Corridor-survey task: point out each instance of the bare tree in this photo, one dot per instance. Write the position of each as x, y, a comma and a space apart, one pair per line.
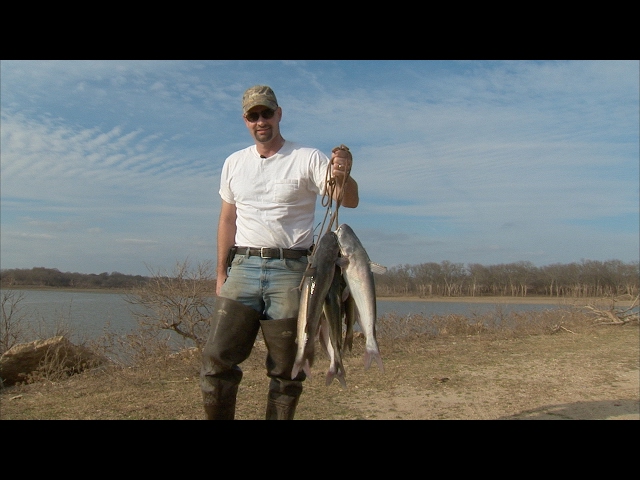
179, 301
11, 329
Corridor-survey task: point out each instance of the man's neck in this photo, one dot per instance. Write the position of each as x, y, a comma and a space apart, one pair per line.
269, 149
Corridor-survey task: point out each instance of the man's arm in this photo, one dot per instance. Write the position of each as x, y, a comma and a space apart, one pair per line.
350, 198
226, 240
341, 162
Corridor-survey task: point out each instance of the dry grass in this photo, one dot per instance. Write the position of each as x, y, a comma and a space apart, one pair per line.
549, 364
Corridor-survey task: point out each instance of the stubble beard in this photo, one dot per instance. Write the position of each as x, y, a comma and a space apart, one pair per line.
264, 137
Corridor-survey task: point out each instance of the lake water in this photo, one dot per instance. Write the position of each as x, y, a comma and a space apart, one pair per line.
88, 314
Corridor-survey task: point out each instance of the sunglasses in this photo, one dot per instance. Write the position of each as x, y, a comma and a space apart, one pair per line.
254, 116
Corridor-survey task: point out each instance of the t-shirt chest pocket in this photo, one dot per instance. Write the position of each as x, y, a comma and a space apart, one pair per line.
286, 190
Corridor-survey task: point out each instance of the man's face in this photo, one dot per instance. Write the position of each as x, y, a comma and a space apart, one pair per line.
263, 129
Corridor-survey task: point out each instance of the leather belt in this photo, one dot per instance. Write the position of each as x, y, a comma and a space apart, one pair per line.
265, 252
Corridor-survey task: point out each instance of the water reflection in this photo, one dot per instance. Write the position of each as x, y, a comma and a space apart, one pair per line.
90, 313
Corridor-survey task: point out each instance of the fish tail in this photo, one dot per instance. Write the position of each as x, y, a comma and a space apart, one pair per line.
295, 370
300, 364
306, 369
370, 356
339, 374
330, 376
379, 361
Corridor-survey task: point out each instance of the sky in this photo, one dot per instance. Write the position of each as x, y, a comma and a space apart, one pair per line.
114, 166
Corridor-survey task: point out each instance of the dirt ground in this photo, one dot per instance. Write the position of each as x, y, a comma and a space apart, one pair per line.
581, 372
590, 375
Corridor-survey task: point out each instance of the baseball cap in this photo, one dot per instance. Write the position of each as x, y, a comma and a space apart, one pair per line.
259, 95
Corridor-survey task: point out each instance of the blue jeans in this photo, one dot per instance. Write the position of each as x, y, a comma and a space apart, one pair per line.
268, 285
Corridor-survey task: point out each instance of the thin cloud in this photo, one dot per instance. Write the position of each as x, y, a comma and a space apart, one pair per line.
469, 161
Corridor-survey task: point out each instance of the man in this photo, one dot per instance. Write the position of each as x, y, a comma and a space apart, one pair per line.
265, 233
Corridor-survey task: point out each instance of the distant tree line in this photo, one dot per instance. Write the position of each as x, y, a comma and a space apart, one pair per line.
52, 277
589, 278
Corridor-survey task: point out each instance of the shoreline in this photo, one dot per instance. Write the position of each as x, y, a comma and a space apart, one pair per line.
67, 289
530, 300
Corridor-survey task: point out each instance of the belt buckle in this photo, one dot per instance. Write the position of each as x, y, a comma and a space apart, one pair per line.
262, 254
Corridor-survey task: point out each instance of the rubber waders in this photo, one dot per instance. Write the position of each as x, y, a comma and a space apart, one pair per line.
233, 331
284, 392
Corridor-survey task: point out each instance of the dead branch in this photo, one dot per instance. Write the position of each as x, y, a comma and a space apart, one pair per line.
615, 315
557, 328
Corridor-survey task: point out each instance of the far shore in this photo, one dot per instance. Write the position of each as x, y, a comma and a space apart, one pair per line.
533, 300
623, 301
67, 289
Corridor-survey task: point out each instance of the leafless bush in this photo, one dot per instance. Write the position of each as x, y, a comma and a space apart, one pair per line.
16, 328
11, 326
497, 322
59, 326
57, 363
179, 301
61, 360
138, 347
54, 367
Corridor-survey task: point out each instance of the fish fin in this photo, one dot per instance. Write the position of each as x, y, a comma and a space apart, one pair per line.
339, 375
345, 293
309, 272
369, 357
377, 268
300, 359
297, 366
330, 377
306, 369
336, 370
342, 262
379, 361
323, 339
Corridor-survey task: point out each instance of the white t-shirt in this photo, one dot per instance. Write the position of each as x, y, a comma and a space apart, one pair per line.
275, 197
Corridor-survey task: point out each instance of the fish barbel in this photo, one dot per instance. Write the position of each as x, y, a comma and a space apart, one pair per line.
358, 273
315, 285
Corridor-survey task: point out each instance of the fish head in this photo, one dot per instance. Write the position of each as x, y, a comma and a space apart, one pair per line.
346, 239
344, 229
327, 249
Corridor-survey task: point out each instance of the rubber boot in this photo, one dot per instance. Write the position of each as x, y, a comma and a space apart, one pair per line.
233, 331
284, 391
